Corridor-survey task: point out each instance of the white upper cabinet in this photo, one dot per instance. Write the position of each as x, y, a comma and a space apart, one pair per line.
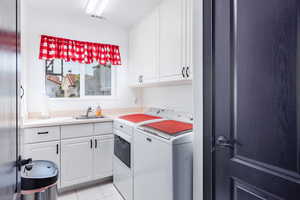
189, 39
171, 39
143, 50
161, 44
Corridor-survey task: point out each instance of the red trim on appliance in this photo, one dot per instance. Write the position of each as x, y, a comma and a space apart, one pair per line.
136, 118
170, 126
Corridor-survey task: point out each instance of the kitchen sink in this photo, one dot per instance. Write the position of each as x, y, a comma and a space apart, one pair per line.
88, 117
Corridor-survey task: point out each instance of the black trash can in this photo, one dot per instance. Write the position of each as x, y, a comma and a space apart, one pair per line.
39, 180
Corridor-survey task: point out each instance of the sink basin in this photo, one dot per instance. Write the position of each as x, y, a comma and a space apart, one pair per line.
88, 117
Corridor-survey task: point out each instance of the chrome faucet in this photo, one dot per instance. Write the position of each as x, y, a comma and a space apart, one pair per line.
88, 111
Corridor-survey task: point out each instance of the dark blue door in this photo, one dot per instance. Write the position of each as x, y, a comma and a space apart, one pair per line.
255, 87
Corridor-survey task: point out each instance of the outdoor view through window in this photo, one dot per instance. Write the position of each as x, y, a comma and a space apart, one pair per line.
63, 79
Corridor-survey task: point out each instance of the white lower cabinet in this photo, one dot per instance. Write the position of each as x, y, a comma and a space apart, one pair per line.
86, 159
103, 153
83, 153
44, 151
76, 161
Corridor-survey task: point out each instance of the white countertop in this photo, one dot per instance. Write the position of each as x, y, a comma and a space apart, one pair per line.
35, 123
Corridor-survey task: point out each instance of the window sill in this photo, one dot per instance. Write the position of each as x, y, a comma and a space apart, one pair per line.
87, 98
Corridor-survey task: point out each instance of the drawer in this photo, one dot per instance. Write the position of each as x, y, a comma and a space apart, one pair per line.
123, 127
43, 134
78, 130
106, 137
103, 128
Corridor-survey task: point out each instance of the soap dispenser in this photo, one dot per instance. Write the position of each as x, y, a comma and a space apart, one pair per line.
98, 111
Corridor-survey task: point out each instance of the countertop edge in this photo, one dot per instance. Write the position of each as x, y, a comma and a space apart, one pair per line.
62, 122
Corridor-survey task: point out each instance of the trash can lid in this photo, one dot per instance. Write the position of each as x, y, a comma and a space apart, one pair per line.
38, 174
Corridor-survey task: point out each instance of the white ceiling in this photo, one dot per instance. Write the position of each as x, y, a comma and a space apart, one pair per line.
124, 13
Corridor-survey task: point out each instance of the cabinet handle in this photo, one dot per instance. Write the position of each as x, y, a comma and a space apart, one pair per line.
43, 133
182, 72
187, 71
91, 143
23, 92
96, 143
140, 78
121, 126
149, 139
57, 149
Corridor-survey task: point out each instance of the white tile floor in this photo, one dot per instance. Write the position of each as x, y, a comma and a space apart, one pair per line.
104, 191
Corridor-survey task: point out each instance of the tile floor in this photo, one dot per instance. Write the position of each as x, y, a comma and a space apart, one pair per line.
105, 191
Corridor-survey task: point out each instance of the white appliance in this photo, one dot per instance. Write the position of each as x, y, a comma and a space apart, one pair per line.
123, 153
122, 171
162, 165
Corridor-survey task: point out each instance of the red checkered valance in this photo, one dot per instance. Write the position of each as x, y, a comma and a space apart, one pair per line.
78, 51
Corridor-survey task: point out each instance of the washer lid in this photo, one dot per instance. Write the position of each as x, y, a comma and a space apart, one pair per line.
137, 118
170, 127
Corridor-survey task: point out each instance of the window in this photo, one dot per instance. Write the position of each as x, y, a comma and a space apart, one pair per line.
75, 80
97, 80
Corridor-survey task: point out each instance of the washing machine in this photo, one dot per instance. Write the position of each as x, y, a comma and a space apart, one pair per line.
163, 161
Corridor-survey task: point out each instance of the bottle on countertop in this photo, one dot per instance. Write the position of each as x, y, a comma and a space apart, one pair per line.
98, 112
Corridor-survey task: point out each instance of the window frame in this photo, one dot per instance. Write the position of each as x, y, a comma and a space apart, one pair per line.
82, 88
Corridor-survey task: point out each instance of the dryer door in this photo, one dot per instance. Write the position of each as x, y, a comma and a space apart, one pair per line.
122, 150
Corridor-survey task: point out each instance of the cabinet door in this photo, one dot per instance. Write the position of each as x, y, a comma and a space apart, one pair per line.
43, 151
76, 161
144, 47
103, 154
189, 38
171, 39
133, 57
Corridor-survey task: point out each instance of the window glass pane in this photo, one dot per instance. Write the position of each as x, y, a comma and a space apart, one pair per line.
62, 79
97, 80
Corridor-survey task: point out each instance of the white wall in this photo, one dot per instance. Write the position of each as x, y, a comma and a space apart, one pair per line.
174, 97
82, 28
85, 28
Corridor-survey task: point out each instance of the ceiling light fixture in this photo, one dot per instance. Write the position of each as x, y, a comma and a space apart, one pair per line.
91, 5
96, 7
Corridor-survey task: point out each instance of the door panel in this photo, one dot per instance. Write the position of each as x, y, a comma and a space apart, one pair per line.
265, 66
76, 161
103, 155
171, 37
189, 38
255, 99
244, 191
44, 151
144, 46
8, 99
